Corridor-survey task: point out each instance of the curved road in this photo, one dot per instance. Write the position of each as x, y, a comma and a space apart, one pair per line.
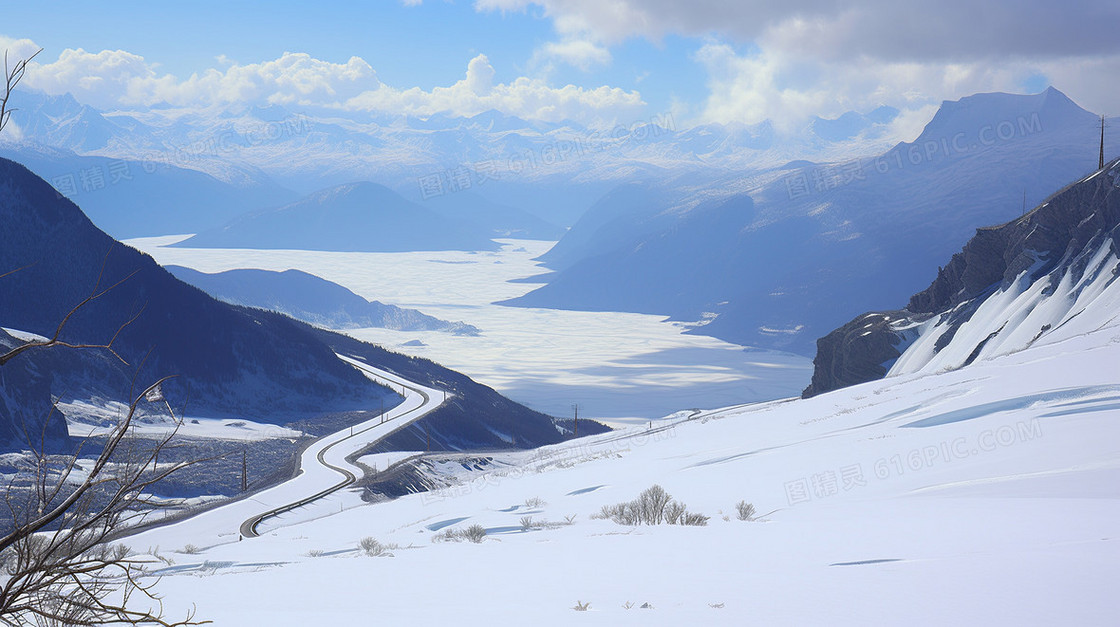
346, 442
323, 470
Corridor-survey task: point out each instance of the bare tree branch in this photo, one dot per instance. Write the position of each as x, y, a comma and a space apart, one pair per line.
96, 293
58, 566
12, 77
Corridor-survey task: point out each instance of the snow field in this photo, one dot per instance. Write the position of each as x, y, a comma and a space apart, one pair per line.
1015, 524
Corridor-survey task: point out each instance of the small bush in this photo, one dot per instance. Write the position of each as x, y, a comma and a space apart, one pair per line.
581, 607
652, 507
447, 535
693, 519
475, 533
673, 512
746, 510
190, 549
535, 502
373, 548
526, 523
315, 553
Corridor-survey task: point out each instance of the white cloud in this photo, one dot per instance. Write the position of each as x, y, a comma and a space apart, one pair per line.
17, 49
116, 79
113, 79
578, 53
787, 89
523, 97
824, 57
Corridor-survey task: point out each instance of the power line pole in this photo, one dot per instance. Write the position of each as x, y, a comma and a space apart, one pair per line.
1101, 163
575, 422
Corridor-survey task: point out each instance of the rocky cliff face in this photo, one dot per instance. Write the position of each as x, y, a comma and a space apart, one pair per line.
1022, 279
859, 351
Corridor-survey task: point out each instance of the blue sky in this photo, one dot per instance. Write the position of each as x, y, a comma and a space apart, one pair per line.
706, 61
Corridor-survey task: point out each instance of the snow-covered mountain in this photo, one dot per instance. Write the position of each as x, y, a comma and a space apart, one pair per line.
1042, 278
777, 258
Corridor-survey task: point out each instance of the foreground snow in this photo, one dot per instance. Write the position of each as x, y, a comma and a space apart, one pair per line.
987, 495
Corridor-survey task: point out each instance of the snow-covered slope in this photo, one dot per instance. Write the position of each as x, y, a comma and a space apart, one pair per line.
985, 495
1041, 278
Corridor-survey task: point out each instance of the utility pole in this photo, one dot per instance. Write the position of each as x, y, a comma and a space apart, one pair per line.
575, 422
1100, 166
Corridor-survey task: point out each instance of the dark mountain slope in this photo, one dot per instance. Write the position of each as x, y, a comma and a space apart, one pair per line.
237, 361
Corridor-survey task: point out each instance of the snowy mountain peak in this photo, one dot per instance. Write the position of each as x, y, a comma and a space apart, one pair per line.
990, 117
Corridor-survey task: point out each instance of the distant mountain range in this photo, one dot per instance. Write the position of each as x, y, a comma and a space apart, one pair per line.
552, 170
1049, 275
312, 299
357, 217
777, 258
128, 198
230, 361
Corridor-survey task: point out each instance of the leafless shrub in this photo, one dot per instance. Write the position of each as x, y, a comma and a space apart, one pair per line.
475, 533
315, 553
581, 607
652, 507
373, 548
535, 502
526, 523
693, 519
447, 535
674, 511
746, 510
190, 549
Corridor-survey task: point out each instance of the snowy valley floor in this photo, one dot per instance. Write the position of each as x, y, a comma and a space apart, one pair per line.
617, 366
988, 495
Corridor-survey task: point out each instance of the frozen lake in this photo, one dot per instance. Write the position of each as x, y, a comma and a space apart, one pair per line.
618, 366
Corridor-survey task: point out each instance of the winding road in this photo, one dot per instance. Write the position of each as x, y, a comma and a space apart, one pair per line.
323, 466
330, 453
